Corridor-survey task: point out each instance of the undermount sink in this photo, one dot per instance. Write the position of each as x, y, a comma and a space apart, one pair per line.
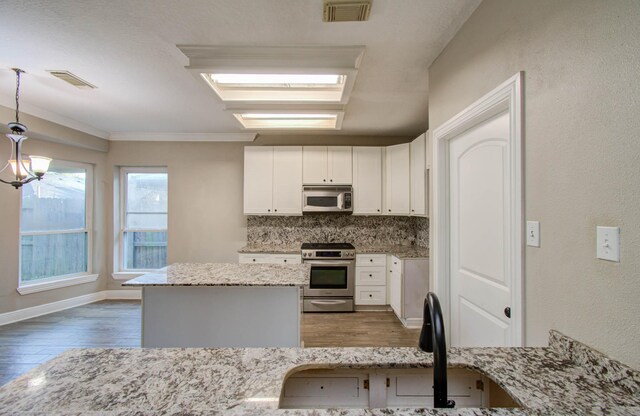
387, 388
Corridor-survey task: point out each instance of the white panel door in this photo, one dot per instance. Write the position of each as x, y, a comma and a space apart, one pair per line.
287, 180
398, 189
479, 175
339, 161
367, 180
258, 177
418, 172
314, 165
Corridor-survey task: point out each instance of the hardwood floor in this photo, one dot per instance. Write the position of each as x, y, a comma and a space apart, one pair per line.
359, 329
27, 344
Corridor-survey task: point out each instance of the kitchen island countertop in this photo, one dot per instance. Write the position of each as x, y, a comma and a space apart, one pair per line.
566, 378
225, 274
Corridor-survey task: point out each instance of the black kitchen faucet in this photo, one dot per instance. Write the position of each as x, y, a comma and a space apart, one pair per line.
432, 339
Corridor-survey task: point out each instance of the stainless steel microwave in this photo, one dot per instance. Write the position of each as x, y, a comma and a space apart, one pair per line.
327, 199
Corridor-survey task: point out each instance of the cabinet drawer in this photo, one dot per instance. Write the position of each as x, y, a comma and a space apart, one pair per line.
322, 387
371, 260
286, 258
371, 276
252, 258
269, 258
371, 295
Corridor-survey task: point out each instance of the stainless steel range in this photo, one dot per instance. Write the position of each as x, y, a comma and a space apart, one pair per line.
332, 283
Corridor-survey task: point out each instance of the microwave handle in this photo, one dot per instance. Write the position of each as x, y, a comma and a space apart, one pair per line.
341, 200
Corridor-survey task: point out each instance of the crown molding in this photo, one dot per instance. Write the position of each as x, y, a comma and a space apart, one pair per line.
182, 137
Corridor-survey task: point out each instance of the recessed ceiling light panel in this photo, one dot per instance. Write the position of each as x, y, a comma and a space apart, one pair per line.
289, 120
327, 88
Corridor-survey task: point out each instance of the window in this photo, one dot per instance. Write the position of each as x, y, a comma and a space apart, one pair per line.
55, 225
143, 219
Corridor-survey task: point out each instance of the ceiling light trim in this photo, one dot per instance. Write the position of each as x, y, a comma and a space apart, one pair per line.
300, 60
182, 137
317, 120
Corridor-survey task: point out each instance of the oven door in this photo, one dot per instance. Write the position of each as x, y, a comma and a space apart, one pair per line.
330, 278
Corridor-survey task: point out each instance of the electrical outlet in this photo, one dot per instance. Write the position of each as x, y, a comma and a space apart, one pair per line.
608, 243
533, 233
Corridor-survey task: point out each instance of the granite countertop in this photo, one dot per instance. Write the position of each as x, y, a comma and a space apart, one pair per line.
225, 274
565, 378
400, 251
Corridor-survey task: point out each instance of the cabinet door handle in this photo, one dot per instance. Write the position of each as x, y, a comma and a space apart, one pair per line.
371, 260
254, 259
330, 180
268, 210
285, 260
389, 210
275, 210
370, 295
378, 210
507, 312
324, 180
370, 275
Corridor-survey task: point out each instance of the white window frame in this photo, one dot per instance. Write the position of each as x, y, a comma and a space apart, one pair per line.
121, 272
55, 282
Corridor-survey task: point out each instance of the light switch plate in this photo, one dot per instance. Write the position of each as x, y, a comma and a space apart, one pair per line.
533, 233
608, 243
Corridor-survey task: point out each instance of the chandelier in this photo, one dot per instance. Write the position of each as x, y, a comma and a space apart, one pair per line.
24, 170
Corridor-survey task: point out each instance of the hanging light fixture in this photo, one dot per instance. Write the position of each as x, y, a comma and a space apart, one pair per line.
24, 170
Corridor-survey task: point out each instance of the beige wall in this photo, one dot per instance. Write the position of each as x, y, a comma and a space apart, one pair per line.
206, 223
10, 299
582, 152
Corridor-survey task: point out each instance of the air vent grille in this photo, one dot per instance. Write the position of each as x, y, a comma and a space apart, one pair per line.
71, 79
346, 11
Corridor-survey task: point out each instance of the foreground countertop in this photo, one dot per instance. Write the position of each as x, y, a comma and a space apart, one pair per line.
225, 274
565, 378
400, 251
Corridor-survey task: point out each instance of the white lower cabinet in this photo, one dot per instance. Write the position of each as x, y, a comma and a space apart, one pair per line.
371, 284
268, 258
383, 388
408, 283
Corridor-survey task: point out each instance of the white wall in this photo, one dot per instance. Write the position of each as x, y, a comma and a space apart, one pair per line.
582, 152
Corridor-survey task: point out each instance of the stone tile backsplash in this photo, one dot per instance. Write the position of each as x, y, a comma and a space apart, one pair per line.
326, 228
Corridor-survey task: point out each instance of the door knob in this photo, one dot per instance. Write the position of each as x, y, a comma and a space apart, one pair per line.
507, 312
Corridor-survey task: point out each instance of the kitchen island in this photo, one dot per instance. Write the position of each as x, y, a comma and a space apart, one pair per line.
566, 378
222, 305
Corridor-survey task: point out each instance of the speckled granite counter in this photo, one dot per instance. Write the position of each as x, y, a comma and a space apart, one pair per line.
402, 252
565, 378
225, 274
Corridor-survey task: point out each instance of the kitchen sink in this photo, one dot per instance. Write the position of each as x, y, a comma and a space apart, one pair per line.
386, 388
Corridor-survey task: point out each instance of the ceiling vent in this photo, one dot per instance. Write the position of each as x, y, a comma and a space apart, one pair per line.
346, 10
72, 79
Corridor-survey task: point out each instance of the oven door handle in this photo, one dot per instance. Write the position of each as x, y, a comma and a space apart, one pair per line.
328, 302
329, 262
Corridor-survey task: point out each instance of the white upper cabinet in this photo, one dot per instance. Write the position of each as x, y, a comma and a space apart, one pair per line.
326, 165
273, 180
418, 174
339, 165
397, 176
258, 180
287, 180
367, 180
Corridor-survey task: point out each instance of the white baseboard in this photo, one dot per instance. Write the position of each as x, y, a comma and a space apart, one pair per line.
27, 313
412, 323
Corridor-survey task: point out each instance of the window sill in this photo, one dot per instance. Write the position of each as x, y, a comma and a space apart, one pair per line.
126, 275
56, 284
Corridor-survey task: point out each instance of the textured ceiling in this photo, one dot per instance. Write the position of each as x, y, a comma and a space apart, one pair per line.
128, 50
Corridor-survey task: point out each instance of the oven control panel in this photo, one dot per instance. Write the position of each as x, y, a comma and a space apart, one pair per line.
328, 254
